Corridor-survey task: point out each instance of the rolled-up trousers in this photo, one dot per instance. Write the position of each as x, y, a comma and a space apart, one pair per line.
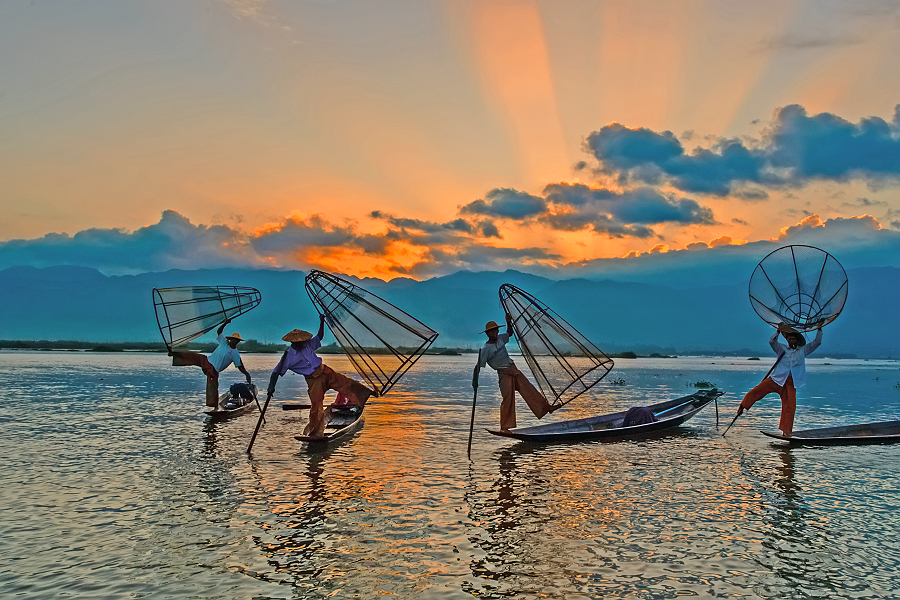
512, 380
788, 394
325, 378
187, 358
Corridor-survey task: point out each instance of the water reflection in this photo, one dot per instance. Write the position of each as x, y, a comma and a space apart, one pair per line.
292, 542
509, 517
800, 549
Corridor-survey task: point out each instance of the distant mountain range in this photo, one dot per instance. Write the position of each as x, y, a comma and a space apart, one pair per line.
77, 303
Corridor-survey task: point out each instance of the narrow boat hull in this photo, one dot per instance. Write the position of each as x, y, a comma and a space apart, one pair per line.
230, 407
885, 432
340, 424
670, 413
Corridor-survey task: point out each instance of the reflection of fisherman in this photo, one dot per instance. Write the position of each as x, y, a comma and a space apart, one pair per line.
301, 358
788, 374
512, 380
224, 354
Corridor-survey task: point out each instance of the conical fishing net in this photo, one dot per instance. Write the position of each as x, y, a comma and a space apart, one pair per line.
564, 363
185, 313
801, 286
381, 340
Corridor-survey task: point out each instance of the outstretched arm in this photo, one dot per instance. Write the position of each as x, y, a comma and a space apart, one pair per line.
273, 378
243, 370
321, 333
773, 341
222, 327
509, 327
811, 347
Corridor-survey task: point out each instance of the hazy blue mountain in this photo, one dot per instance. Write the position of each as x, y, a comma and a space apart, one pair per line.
82, 304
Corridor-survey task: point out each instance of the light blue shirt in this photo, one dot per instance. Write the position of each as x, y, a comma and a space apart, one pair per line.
224, 355
495, 354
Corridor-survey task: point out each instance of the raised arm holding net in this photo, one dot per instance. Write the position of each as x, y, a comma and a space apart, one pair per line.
565, 364
381, 340
186, 313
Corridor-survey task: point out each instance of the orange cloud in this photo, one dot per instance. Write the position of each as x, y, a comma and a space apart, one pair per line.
726, 240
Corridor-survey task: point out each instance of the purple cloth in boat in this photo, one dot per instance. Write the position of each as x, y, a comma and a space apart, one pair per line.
638, 415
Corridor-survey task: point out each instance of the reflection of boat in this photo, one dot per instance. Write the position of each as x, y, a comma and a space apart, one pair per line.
340, 421
610, 427
885, 432
231, 405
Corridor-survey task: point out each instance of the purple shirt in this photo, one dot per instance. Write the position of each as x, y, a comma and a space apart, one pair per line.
303, 361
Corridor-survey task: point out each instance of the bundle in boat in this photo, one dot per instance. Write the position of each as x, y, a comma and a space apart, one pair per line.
802, 286
185, 313
381, 340
565, 364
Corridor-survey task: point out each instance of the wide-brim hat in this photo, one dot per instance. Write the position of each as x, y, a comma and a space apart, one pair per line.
490, 325
787, 330
234, 336
297, 335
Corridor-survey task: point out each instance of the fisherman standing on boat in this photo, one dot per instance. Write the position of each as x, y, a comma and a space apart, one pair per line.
301, 358
225, 353
788, 374
512, 380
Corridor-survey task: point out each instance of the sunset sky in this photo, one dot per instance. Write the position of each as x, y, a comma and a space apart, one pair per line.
417, 138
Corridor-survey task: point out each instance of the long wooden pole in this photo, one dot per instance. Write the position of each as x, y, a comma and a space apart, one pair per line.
259, 423
472, 422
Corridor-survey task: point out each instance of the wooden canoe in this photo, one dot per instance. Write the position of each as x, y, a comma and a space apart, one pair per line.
670, 413
340, 422
230, 406
885, 432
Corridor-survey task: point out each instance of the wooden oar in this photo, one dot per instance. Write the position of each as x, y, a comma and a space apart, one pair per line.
780, 356
256, 398
475, 375
292, 406
472, 423
259, 423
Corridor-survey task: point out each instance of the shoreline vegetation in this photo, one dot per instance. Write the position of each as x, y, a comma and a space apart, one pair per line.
256, 347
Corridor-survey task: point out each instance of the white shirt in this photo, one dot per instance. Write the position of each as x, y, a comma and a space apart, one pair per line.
495, 354
224, 355
794, 361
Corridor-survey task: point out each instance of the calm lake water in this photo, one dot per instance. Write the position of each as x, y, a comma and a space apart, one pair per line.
116, 485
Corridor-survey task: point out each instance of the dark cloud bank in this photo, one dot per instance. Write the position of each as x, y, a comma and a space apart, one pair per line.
797, 149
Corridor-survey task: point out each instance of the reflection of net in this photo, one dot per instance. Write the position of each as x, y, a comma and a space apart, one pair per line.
185, 313
381, 340
564, 363
798, 285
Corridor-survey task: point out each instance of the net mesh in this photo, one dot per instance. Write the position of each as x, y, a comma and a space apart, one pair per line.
801, 286
564, 363
185, 313
381, 340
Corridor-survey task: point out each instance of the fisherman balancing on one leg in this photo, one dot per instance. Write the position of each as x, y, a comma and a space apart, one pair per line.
225, 353
512, 380
788, 373
301, 358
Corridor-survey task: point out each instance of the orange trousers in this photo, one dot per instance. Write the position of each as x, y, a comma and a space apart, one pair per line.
186, 358
325, 378
512, 380
788, 394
